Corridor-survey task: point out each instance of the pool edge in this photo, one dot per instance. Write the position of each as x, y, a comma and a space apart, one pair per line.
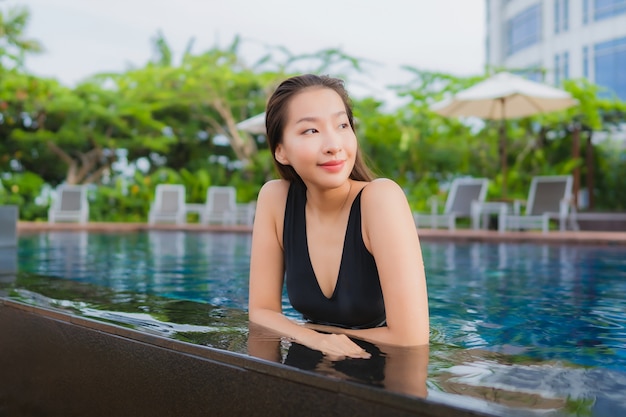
52, 361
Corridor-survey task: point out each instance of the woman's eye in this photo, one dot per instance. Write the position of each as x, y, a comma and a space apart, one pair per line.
309, 131
344, 125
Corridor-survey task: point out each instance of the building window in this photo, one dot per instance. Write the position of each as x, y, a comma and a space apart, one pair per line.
524, 29
604, 9
585, 12
586, 62
532, 73
557, 16
557, 70
609, 63
561, 68
561, 16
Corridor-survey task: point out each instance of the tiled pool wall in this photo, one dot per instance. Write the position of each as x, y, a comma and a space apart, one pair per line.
57, 364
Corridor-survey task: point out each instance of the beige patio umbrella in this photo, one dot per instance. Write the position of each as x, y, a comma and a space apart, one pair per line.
254, 125
501, 97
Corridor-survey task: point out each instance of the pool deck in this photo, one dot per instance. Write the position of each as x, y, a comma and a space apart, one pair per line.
556, 237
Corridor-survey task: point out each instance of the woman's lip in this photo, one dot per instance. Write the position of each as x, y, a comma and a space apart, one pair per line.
332, 163
333, 166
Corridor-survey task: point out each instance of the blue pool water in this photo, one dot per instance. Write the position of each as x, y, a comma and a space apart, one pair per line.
545, 324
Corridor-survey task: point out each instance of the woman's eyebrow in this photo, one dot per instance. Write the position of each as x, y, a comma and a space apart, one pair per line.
314, 119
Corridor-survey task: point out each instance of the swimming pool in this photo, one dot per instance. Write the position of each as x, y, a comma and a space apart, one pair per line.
517, 329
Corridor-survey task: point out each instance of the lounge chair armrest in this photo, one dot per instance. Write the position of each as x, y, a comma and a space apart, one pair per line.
476, 207
563, 208
567, 206
517, 206
433, 201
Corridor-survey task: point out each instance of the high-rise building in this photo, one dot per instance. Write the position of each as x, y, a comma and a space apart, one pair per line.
553, 40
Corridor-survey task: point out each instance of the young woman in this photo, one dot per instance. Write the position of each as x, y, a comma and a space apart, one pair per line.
345, 243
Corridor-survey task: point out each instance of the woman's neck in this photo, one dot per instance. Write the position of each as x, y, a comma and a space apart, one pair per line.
329, 202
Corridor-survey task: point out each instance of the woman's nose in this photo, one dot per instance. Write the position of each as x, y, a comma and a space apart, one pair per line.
332, 144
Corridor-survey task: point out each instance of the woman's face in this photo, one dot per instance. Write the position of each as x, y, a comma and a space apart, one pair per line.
318, 141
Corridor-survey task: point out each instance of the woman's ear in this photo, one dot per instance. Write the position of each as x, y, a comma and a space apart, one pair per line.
279, 154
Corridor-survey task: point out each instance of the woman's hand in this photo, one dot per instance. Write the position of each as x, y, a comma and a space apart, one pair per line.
328, 340
336, 346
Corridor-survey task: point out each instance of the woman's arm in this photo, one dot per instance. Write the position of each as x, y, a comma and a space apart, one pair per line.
390, 234
266, 278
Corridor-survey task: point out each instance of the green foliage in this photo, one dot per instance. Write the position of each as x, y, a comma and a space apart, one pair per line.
579, 407
611, 193
180, 118
24, 191
13, 44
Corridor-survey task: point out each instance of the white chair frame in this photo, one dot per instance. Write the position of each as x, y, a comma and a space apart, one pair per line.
221, 206
59, 212
161, 213
454, 208
536, 215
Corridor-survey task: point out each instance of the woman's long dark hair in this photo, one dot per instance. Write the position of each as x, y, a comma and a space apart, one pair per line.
276, 115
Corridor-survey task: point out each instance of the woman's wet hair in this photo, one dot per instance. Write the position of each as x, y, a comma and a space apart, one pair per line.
276, 117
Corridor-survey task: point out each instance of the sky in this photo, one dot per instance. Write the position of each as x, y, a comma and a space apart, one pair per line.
85, 37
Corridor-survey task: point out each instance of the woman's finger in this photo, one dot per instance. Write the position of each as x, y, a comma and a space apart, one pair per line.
338, 345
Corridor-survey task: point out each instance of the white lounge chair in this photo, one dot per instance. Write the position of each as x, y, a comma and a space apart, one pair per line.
550, 197
168, 205
70, 205
8, 243
9, 215
246, 212
220, 206
463, 192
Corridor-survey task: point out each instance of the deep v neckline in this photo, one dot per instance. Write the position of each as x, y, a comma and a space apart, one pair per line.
343, 251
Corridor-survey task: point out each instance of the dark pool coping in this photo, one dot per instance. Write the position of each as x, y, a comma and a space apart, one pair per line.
306, 393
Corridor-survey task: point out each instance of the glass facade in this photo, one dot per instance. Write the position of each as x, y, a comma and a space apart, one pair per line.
524, 29
609, 64
585, 12
604, 9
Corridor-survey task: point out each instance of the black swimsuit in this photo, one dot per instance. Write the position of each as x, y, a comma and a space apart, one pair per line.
357, 301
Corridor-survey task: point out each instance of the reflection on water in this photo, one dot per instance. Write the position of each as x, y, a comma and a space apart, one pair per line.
550, 302
397, 369
8, 266
517, 329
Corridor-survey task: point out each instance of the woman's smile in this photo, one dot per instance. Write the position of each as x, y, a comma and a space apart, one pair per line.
333, 166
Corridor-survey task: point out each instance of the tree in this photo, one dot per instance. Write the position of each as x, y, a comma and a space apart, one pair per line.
84, 127
438, 147
13, 44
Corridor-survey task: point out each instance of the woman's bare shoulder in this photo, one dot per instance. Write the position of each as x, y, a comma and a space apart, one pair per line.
274, 189
382, 188
386, 214
272, 196
383, 199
